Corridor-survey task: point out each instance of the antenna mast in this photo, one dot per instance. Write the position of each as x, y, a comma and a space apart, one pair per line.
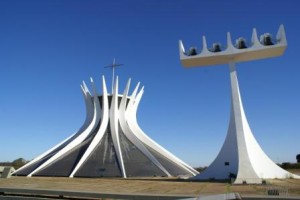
113, 66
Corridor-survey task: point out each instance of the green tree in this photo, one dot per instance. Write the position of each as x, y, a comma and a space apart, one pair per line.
18, 163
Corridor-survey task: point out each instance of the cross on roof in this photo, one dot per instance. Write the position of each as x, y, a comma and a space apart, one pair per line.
113, 66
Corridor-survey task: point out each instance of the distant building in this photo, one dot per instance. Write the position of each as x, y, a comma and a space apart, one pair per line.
6, 171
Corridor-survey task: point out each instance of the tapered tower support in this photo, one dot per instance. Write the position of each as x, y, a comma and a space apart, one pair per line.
109, 144
240, 157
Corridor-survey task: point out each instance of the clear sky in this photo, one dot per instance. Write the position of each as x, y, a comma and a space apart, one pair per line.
48, 47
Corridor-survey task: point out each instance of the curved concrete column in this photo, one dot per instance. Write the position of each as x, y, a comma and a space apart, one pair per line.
89, 115
101, 131
80, 138
130, 134
114, 127
133, 125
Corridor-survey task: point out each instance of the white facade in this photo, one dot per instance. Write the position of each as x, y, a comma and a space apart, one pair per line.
110, 143
240, 156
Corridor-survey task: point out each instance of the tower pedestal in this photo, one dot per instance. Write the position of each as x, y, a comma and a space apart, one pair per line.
241, 157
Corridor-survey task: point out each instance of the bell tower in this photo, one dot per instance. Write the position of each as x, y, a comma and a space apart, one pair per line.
240, 157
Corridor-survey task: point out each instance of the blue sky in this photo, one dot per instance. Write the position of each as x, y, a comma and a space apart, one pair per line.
48, 47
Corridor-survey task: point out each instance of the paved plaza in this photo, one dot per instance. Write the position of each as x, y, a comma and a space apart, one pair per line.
146, 187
